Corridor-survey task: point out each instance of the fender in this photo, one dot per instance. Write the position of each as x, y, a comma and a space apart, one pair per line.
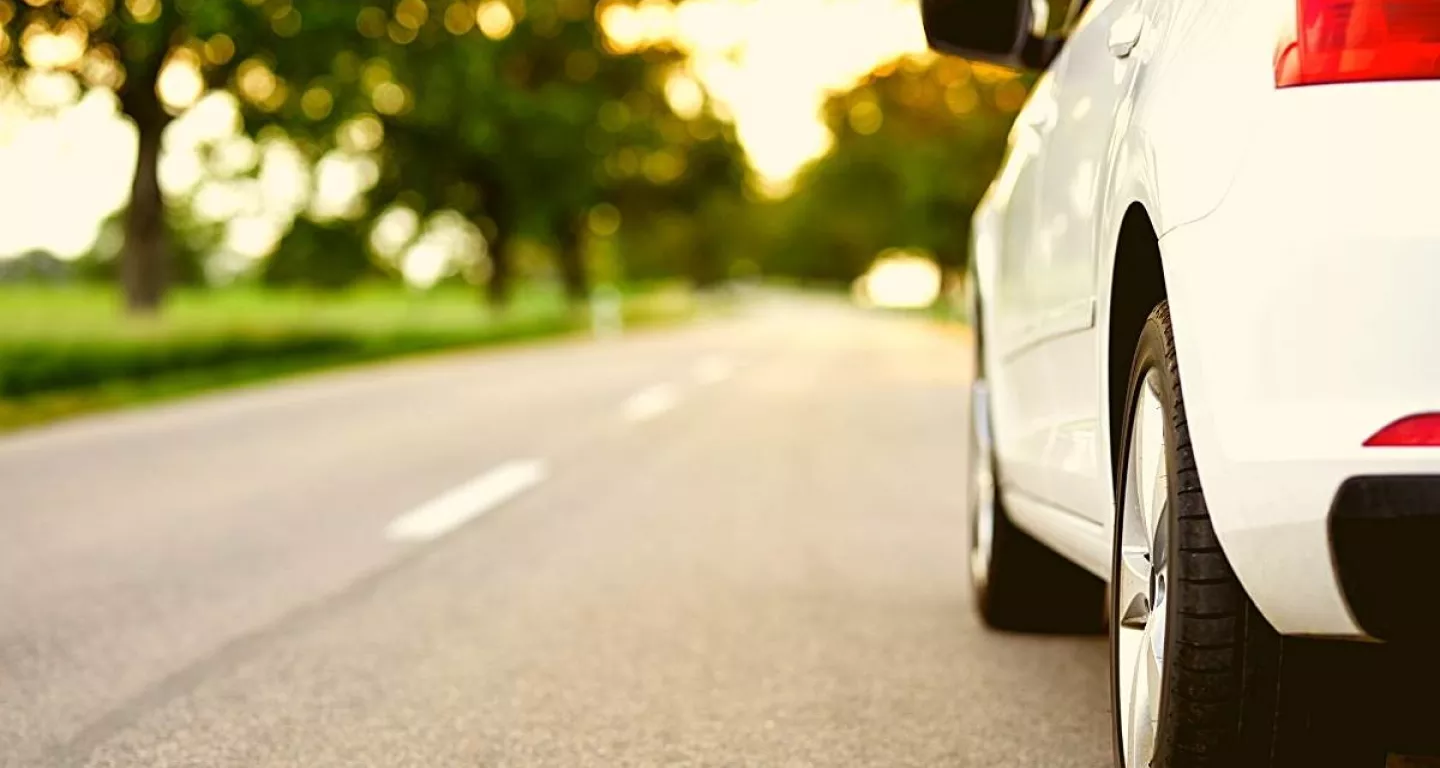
1183, 131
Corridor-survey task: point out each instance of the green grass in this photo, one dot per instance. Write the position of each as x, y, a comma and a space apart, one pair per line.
71, 350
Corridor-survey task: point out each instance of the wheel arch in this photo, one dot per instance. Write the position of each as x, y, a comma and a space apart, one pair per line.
1137, 284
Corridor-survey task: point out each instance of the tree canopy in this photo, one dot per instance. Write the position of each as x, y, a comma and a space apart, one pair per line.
503, 129
916, 145
518, 116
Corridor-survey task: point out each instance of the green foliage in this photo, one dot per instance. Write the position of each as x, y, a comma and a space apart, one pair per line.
126, 46
915, 148
539, 128
30, 368
67, 340
688, 226
328, 255
525, 124
525, 134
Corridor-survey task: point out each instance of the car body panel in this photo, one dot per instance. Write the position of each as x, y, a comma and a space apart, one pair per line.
1329, 274
1301, 284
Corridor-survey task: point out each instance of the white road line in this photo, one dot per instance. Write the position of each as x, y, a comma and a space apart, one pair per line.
471, 500
651, 402
713, 370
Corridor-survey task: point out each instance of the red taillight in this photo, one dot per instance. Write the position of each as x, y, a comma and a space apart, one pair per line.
1419, 430
1345, 41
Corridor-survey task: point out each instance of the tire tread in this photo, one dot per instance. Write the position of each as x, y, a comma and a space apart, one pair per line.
1214, 630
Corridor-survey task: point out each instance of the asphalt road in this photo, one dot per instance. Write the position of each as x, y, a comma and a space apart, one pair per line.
734, 544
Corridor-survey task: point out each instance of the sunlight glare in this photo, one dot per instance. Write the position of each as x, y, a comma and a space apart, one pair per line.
450, 243
341, 180
772, 63
685, 95
394, 231
181, 83
900, 280
81, 155
495, 19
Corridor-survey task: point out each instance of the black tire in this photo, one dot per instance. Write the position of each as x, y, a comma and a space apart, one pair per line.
1030, 588
1026, 586
1234, 694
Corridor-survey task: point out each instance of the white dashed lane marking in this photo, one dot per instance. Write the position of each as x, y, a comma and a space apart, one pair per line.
713, 370
651, 402
467, 502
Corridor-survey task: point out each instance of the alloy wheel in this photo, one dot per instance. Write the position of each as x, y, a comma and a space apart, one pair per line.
982, 487
1144, 577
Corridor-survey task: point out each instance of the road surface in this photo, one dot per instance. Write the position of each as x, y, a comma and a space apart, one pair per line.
735, 544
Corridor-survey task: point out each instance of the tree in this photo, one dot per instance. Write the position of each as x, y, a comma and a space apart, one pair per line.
522, 117
326, 255
916, 146
691, 224
130, 48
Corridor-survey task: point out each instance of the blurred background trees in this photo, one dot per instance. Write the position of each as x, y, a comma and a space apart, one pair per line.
322, 145
125, 50
916, 145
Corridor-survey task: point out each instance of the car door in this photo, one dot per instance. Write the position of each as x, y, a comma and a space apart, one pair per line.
1005, 228
1057, 365
1016, 192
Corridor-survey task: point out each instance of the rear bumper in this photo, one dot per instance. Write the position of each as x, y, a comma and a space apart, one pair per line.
1385, 535
1307, 317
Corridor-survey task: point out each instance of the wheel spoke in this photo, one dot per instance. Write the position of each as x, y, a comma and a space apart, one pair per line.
1150, 449
1142, 576
1159, 616
1130, 651
1144, 704
1158, 528
1132, 512
1156, 647
1134, 588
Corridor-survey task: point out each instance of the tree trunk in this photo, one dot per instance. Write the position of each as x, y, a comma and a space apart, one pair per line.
706, 269
572, 264
497, 290
144, 268
497, 231
143, 265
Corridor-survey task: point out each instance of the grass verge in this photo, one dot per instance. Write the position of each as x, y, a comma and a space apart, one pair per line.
65, 352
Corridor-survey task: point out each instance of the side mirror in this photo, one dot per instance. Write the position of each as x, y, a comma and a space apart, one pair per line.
998, 31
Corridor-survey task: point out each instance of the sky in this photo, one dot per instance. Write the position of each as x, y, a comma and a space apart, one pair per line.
767, 64
771, 63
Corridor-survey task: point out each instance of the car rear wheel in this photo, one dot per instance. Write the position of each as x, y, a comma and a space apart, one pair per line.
1198, 677
1018, 583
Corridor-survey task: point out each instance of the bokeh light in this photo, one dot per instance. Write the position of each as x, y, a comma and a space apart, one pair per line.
900, 280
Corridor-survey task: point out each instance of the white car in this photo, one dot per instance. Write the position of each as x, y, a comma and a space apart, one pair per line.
1233, 199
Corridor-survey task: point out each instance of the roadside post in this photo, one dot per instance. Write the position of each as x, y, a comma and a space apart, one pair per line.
607, 320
